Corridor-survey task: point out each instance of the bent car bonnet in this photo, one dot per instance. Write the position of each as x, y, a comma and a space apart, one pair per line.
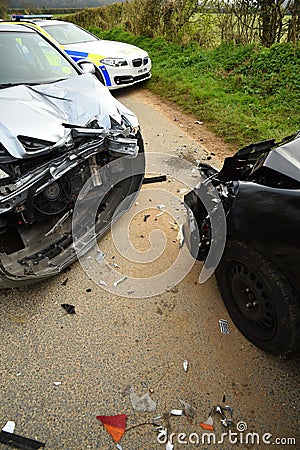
53, 138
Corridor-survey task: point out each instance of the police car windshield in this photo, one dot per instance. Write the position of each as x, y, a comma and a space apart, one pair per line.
28, 58
67, 33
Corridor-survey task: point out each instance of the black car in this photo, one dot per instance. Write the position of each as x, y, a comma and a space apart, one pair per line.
258, 273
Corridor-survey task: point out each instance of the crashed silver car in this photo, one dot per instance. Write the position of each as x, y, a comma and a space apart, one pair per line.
58, 127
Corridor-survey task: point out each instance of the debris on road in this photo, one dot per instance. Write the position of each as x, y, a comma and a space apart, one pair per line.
116, 283
198, 122
114, 425
160, 206
102, 283
100, 257
208, 424
180, 236
20, 442
161, 213
146, 217
185, 365
143, 403
176, 412
69, 308
188, 410
9, 427
64, 283
57, 383
224, 327
158, 179
169, 446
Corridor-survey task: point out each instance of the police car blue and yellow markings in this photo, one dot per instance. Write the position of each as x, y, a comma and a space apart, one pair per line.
76, 56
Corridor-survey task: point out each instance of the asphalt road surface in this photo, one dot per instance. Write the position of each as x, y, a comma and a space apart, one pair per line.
59, 371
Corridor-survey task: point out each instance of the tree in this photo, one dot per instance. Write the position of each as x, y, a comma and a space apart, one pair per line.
294, 22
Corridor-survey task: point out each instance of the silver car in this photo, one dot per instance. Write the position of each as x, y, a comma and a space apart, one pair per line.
60, 128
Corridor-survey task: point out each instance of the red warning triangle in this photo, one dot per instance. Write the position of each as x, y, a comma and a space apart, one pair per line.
115, 425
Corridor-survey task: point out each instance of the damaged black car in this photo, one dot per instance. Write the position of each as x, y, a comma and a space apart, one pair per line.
58, 127
258, 274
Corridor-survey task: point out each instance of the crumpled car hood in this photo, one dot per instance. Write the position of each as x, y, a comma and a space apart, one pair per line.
40, 111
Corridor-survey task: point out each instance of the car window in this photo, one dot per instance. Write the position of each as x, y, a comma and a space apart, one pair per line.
67, 33
28, 58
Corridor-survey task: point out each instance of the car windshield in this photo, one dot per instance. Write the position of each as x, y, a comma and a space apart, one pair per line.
67, 33
28, 58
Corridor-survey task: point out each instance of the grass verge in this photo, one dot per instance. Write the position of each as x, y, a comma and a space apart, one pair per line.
242, 93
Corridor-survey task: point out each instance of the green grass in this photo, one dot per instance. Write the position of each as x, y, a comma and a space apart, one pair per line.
242, 93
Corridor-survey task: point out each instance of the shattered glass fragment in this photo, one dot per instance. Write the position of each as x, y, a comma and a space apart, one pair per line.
100, 257
143, 403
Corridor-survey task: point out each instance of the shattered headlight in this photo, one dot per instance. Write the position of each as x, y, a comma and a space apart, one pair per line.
115, 62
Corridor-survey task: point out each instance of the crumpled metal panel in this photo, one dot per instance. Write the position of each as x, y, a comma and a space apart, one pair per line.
40, 111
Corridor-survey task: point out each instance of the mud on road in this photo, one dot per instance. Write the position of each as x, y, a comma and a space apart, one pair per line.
58, 371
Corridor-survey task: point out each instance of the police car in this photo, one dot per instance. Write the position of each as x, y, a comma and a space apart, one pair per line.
120, 64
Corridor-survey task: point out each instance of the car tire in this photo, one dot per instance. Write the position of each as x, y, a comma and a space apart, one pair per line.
259, 299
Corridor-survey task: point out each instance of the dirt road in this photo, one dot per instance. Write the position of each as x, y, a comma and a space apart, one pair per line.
59, 371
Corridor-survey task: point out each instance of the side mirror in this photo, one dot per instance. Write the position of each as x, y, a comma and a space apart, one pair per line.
87, 67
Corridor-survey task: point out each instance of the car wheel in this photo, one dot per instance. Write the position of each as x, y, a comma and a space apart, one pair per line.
259, 299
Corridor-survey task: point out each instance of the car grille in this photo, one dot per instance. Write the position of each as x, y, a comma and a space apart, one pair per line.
137, 62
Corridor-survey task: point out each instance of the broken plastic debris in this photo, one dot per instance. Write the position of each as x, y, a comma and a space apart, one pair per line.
57, 383
157, 179
185, 365
224, 326
229, 409
146, 217
119, 447
176, 412
100, 257
64, 283
226, 422
198, 122
180, 236
20, 442
69, 308
188, 410
160, 206
115, 425
161, 213
169, 446
102, 283
115, 265
208, 424
143, 403
9, 427
116, 283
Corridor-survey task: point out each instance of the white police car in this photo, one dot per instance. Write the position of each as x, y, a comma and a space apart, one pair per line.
120, 64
